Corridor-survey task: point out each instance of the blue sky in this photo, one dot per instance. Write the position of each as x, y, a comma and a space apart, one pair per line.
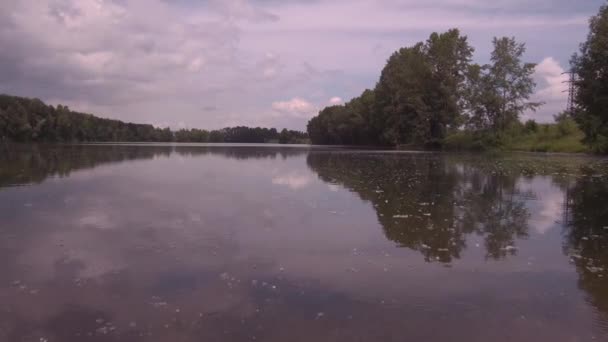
215, 63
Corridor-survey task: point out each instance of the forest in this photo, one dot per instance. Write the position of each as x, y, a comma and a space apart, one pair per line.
31, 120
431, 95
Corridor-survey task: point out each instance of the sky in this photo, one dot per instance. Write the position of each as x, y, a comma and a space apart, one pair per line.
217, 63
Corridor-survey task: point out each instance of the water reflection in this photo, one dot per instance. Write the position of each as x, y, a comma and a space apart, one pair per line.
586, 238
24, 164
429, 204
222, 243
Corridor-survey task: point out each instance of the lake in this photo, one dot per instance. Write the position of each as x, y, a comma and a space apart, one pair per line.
284, 243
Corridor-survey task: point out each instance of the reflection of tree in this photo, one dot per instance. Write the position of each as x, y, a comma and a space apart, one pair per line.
241, 152
587, 237
429, 203
492, 205
22, 164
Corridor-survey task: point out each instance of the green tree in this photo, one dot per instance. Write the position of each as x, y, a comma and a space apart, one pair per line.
401, 94
418, 99
591, 68
449, 55
507, 86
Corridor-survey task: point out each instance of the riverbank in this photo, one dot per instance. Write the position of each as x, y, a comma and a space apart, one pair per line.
560, 137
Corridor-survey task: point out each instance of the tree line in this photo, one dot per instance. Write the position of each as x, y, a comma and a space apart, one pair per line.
31, 120
241, 134
432, 90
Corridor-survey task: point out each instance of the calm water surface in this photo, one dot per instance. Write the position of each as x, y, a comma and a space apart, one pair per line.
262, 243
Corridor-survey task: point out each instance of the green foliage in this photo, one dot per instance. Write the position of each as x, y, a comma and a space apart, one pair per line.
348, 124
338, 125
401, 96
472, 141
562, 136
192, 135
591, 68
498, 93
30, 120
292, 137
418, 96
426, 92
531, 126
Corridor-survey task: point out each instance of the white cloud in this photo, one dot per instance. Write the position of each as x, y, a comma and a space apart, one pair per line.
335, 100
554, 79
96, 220
296, 107
552, 90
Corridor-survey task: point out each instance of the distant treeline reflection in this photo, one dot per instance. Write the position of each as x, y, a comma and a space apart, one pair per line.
24, 164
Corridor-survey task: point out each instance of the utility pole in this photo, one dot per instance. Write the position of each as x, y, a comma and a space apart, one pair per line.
571, 91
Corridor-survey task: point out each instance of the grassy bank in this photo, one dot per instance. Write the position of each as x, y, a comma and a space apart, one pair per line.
563, 136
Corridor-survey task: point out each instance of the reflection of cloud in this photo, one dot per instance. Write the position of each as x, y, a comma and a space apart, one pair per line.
547, 208
550, 212
96, 220
293, 181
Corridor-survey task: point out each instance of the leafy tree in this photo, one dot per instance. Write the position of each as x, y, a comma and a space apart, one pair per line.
402, 92
449, 55
418, 99
500, 91
338, 125
590, 66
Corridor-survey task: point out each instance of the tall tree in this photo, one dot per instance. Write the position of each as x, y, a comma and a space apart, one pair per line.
401, 94
449, 55
420, 90
503, 87
591, 68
